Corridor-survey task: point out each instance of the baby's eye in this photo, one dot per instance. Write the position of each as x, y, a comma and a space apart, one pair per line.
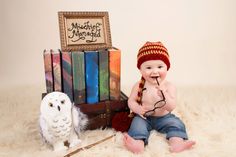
62, 101
50, 104
160, 66
148, 67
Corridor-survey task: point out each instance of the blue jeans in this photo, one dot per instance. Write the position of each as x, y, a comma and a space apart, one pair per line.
169, 124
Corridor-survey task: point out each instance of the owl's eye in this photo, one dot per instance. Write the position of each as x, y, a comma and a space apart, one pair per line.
50, 104
62, 101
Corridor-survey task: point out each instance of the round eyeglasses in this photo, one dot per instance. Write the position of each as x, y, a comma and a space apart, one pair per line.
157, 105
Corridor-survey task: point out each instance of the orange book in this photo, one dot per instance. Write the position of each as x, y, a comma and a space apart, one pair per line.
114, 70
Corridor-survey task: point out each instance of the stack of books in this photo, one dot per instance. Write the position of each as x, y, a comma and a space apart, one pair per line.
85, 76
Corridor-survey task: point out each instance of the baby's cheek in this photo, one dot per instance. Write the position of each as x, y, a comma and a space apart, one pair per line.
163, 74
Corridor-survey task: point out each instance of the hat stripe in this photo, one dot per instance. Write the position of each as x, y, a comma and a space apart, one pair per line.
145, 48
153, 52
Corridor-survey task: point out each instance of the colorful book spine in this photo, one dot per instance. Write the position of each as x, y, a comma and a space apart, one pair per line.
78, 77
114, 65
57, 76
67, 74
48, 70
91, 73
103, 75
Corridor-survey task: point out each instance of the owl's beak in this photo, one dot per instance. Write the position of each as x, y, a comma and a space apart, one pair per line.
58, 107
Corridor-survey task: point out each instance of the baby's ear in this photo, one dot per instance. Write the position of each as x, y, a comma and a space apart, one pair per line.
140, 72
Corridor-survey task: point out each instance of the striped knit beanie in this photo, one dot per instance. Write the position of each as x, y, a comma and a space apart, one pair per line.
153, 51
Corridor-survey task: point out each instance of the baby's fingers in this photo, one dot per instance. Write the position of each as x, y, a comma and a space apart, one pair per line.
142, 117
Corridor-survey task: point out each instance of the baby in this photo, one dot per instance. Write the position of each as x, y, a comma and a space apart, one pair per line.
152, 99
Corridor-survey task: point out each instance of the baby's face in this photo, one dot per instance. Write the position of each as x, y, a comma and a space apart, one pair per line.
152, 69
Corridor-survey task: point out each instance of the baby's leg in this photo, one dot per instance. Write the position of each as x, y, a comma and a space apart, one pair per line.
177, 144
175, 132
139, 129
135, 146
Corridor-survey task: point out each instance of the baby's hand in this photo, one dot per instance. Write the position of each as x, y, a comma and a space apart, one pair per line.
140, 110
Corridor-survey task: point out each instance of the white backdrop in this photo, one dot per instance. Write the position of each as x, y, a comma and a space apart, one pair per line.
200, 36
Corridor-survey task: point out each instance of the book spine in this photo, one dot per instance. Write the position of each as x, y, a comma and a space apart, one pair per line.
57, 77
67, 74
91, 73
114, 65
103, 75
48, 70
78, 77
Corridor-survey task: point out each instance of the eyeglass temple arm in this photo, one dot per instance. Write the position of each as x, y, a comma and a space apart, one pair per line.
164, 98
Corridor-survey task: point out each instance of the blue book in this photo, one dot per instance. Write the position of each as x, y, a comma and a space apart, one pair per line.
91, 76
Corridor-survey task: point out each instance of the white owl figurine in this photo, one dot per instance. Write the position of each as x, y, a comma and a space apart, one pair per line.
60, 121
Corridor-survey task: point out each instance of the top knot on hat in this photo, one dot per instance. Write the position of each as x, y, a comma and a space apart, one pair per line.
153, 51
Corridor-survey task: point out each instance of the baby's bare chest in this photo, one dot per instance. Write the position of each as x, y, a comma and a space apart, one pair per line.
150, 96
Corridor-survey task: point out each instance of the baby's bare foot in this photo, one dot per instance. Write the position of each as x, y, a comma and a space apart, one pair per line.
135, 146
184, 145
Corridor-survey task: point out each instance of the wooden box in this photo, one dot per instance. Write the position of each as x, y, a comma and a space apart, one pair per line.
100, 114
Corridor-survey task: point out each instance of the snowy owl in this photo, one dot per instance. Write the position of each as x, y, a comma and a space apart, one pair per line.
60, 121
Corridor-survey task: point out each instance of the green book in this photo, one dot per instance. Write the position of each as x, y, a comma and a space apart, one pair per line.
78, 77
103, 75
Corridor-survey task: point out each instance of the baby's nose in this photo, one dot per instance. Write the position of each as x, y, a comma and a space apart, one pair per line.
156, 71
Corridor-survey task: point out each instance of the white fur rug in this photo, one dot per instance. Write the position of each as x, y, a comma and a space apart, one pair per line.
208, 112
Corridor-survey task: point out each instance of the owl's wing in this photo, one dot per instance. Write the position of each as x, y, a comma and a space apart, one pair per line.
80, 120
44, 131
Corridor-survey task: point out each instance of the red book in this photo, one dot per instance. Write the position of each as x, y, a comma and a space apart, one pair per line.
67, 74
47, 56
57, 77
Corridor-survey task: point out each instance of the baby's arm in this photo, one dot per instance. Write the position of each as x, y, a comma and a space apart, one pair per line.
170, 95
132, 101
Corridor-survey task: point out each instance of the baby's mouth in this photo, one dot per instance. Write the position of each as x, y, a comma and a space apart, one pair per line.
156, 79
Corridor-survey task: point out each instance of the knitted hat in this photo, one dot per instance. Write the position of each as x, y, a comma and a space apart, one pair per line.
153, 51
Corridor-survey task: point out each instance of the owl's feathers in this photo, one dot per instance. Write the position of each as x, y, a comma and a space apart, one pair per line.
60, 120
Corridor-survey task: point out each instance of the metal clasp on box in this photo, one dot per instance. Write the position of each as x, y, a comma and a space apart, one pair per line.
103, 115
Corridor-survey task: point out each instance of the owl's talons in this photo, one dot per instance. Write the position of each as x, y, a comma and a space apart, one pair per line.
75, 142
59, 147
